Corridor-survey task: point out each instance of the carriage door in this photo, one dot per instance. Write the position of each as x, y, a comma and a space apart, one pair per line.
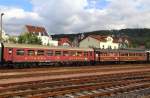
97, 55
10, 54
147, 53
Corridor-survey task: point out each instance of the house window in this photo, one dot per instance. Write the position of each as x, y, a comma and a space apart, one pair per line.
109, 47
103, 46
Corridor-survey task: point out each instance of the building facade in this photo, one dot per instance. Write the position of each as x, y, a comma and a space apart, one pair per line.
5, 37
97, 41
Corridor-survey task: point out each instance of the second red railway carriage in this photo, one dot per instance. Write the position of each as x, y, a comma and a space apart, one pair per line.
124, 55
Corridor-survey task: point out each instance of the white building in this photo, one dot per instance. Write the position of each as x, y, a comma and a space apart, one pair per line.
5, 37
97, 41
42, 34
47, 40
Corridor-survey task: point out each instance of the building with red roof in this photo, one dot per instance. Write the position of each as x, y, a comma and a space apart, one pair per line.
64, 42
42, 34
98, 41
36, 30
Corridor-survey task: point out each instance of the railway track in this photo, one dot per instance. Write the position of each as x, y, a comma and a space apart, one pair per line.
78, 84
44, 89
75, 68
54, 71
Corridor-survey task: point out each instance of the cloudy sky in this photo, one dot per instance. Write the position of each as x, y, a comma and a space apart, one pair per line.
74, 16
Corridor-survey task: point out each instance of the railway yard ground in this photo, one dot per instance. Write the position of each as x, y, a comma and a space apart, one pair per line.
107, 81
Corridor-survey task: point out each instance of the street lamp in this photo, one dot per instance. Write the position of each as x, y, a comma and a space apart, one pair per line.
1, 26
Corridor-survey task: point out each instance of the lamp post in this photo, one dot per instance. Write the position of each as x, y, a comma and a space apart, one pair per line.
1, 26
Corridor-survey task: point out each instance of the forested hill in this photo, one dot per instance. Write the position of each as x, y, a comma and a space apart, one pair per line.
137, 36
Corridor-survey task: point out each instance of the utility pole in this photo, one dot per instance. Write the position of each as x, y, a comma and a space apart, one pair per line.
1, 26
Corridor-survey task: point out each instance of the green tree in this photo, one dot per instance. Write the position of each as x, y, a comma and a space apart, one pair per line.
12, 39
29, 38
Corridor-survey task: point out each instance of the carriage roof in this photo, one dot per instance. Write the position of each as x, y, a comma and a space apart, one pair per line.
10, 45
120, 50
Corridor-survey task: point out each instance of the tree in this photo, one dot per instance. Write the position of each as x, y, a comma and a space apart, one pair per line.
12, 40
29, 38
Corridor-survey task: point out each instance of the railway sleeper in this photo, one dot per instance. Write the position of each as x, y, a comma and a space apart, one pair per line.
79, 90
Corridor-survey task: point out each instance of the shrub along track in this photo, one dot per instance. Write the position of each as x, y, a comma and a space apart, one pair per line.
86, 83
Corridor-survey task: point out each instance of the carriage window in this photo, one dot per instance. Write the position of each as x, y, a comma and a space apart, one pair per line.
101, 53
57, 53
115, 54
111, 54
65, 53
20, 52
79, 53
73, 53
50, 53
85, 53
105, 54
140, 54
121, 54
40, 52
126, 54
31, 52
132, 54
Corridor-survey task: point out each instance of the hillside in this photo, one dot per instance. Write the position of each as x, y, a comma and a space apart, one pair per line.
137, 37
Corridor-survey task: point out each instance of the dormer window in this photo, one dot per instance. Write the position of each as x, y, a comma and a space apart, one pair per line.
39, 33
109, 39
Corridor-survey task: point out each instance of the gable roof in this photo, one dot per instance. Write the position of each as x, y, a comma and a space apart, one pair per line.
98, 37
64, 40
103, 38
36, 30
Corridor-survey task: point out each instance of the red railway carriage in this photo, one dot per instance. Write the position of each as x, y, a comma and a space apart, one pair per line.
38, 53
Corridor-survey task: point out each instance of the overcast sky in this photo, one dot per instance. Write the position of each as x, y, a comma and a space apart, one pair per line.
74, 16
